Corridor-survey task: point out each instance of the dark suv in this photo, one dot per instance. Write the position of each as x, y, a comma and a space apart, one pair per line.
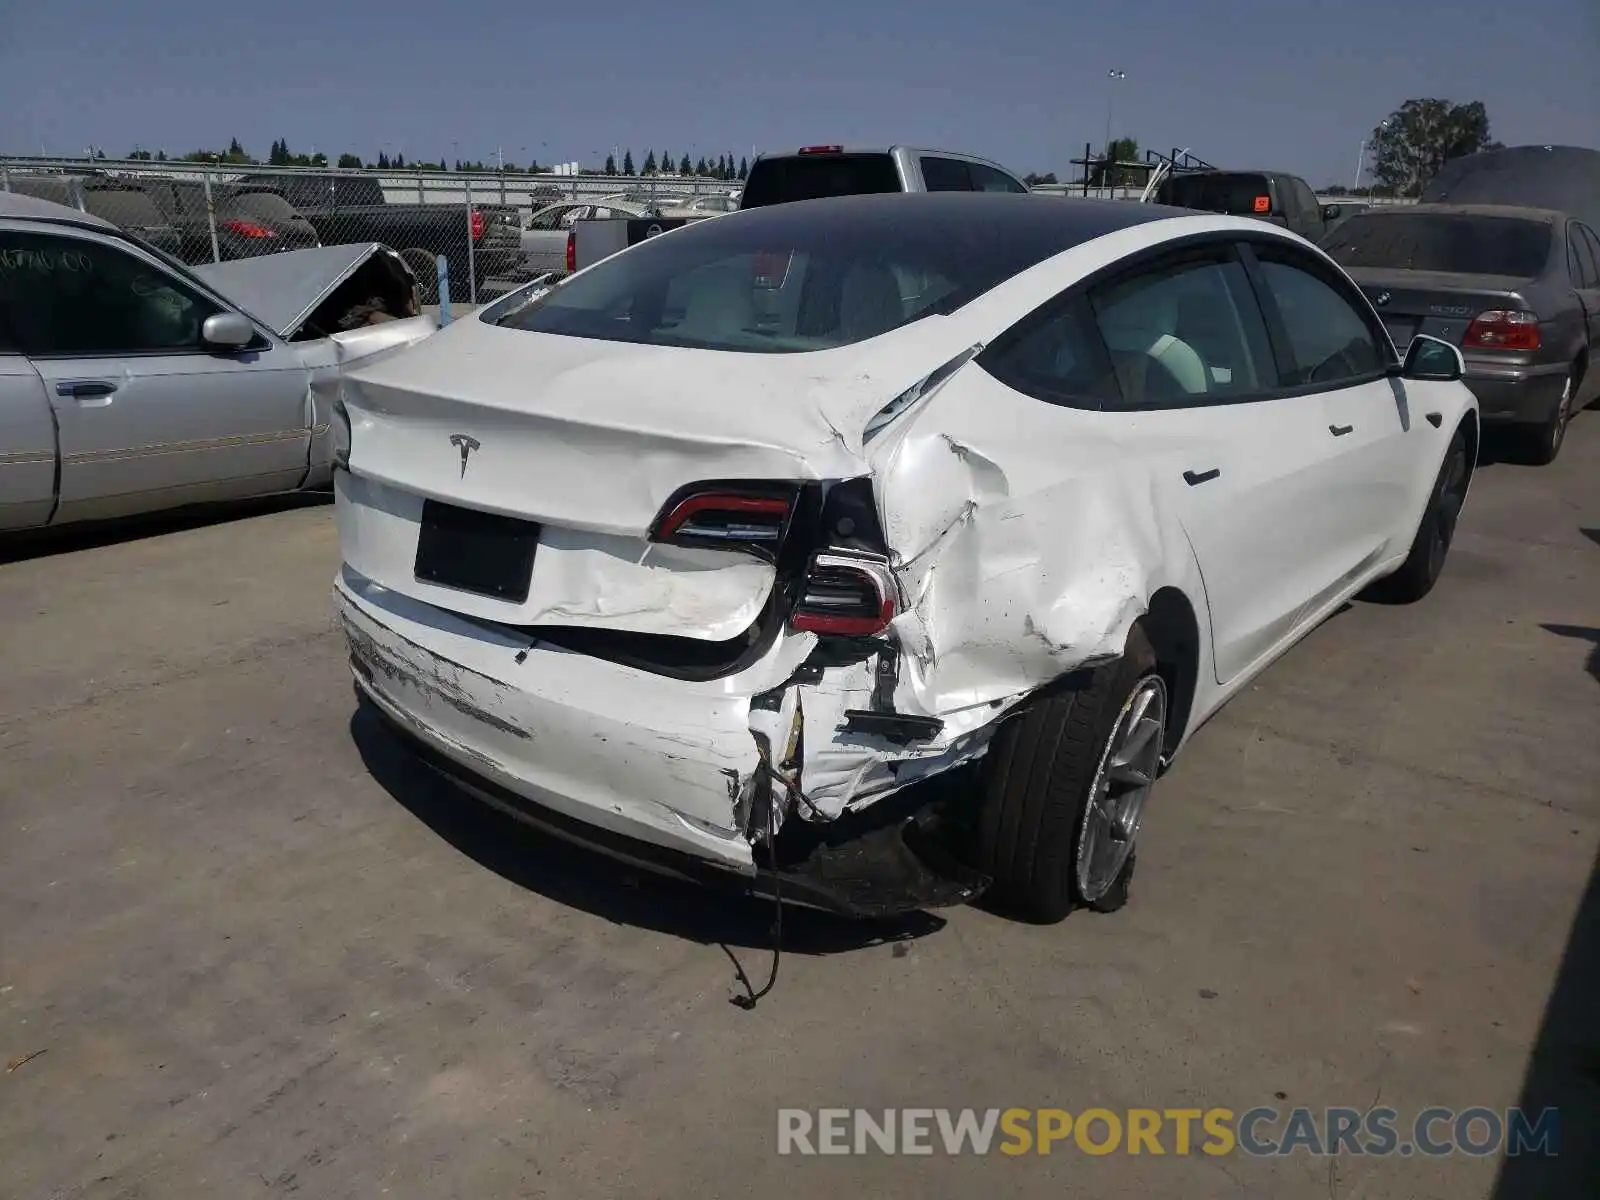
1274, 196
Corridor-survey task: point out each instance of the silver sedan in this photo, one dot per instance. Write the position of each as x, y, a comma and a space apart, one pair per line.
130, 383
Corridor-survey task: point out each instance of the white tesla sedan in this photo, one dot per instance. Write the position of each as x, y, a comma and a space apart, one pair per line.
709, 554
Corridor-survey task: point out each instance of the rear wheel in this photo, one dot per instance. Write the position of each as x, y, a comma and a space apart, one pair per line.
1065, 785
1547, 437
426, 270
1431, 546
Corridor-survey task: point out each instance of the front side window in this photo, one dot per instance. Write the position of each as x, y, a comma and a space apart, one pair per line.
1327, 338
68, 297
1185, 333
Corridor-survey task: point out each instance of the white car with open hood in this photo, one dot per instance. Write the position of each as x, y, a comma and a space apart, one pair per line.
708, 555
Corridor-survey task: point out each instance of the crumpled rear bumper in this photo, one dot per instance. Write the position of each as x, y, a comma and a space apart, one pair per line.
635, 755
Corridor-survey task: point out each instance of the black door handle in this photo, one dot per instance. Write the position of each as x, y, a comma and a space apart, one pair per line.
1340, 430
1193, 477
82, 388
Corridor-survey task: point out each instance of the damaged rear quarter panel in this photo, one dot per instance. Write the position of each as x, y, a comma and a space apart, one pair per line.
1028, 538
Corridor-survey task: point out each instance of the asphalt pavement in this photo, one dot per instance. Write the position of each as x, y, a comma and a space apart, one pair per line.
249, 948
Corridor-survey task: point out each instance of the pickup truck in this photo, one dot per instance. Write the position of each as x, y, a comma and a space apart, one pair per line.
1272, 196
812, 173
352, 208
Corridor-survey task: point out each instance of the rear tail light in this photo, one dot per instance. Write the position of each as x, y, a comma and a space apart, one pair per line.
479, 224
1502, 329
820, 149
846, 595
752, 519
572, 250
249, 229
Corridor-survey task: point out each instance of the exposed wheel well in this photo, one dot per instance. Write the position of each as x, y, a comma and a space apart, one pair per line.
1174, 634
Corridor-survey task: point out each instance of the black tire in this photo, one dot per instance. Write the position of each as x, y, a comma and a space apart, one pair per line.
426, 270
1036, 781
1431, 545
1545, 440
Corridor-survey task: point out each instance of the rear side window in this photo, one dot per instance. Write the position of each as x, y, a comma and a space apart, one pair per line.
987, 179
1238, 195
945, 175
1185, 333
811, 177
1585, 256
1057, 357
1448, 242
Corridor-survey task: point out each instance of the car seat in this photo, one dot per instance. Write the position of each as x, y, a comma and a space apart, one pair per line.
1153, 364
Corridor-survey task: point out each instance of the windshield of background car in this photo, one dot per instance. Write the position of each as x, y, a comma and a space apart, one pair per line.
807, 276
1237, 195
810, 177
1466, 245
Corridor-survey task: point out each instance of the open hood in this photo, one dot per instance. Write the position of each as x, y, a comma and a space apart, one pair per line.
283, 290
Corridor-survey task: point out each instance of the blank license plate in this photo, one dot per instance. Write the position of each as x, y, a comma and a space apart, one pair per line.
479, 552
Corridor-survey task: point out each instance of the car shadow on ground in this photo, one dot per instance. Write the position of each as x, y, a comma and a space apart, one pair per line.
41, 543
583, 879
1563, 1072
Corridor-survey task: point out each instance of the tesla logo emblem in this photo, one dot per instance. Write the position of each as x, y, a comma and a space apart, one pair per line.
466, 445
1381, 299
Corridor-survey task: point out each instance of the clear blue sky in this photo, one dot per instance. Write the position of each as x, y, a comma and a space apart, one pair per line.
1242, 82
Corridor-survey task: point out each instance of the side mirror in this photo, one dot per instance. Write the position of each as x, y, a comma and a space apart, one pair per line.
227, 331
1433, 359
1330, 212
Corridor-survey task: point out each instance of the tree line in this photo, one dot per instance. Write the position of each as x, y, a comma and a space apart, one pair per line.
279, 155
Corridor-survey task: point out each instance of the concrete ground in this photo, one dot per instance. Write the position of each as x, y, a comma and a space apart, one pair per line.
252, 950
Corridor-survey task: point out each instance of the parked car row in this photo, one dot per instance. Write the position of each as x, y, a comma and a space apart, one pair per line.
272, 213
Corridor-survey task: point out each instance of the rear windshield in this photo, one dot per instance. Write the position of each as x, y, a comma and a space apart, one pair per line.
1238, 195
124, 207
266, 206
808, 177
324, 191
800, 277
1466, 245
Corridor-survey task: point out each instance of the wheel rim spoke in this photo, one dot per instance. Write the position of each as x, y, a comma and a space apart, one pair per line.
1127, 771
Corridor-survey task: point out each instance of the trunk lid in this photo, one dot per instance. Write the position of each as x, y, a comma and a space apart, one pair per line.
1440, 304
585, 441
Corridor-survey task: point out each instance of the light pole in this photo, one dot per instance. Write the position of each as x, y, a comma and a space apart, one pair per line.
1111, 99
1361, 157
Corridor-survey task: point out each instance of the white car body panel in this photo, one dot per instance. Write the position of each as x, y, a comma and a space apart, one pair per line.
1027, 540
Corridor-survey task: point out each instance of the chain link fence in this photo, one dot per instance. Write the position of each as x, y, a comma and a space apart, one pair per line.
469, 236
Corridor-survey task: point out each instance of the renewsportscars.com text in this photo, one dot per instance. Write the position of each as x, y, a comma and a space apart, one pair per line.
1258, 1132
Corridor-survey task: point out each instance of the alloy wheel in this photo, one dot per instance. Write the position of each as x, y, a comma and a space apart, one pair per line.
1122, 783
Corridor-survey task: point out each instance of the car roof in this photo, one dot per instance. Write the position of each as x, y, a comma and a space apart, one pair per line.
1520, 211
16, 206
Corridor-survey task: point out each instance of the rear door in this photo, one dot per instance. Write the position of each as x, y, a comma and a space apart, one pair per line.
1190, 393
146, 416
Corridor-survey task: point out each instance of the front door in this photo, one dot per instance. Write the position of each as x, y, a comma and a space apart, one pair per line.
147, 416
